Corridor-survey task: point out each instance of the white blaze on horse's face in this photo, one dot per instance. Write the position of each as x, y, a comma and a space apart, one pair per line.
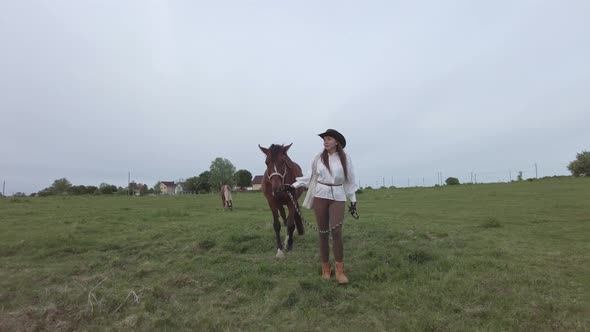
276, 167
279, 179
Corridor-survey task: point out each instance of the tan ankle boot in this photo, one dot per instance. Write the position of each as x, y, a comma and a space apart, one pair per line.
326, 271
342, 279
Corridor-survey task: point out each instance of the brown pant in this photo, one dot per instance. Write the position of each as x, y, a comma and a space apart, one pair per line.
329, 213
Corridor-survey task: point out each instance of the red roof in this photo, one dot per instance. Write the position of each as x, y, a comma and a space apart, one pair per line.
169, 183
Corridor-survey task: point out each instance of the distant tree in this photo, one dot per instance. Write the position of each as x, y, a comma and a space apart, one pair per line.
46, 192
131, 188
61, 186
143, 190
107, 189
91, 190
204, 184
451, 181
19, 194
222, 172
580, 166
519, 176
77, 190
243, 178
192, 184
157, 190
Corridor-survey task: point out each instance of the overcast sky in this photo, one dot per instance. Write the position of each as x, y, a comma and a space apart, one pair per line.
91, 90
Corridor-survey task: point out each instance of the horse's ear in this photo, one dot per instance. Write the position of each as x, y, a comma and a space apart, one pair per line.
286, 147
287, 159
264, 150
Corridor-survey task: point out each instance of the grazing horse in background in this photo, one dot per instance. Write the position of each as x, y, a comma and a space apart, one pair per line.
226, 197
281, 171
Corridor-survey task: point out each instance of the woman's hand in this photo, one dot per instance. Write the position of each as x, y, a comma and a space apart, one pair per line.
289, 188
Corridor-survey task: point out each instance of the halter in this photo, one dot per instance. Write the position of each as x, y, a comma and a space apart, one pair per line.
277, 173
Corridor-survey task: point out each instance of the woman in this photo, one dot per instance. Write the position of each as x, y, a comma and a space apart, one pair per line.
330, 182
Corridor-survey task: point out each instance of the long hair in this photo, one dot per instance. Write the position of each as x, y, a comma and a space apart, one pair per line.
341, 155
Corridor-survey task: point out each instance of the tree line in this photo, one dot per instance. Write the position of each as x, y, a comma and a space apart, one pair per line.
221, 172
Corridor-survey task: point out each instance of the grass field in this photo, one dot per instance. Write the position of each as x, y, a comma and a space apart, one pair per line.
461, 258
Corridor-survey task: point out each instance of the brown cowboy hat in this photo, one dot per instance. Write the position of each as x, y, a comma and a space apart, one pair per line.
337, 136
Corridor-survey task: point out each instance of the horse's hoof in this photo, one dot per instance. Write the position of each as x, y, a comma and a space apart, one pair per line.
280, 253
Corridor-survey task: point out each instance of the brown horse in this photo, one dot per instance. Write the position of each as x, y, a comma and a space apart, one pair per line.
226, 199
282, 171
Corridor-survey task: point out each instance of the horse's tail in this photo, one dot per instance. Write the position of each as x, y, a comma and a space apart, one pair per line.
299, 223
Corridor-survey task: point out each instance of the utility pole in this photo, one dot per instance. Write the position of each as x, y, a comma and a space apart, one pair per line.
3, 187
510, 174
536, 175
128, 183
383, 181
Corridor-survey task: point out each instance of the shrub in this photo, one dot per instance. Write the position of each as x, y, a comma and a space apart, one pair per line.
580, 166
451, 181
491, 222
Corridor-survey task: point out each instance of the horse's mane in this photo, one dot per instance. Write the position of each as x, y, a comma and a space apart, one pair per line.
289, 161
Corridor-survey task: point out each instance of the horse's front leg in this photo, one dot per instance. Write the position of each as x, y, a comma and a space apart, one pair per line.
277, 226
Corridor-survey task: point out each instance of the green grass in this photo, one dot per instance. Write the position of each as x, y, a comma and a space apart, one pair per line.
459, 258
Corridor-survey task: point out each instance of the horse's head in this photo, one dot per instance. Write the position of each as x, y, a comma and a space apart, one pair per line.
277, 163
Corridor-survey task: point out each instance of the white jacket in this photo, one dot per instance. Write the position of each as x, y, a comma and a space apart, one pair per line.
329, 185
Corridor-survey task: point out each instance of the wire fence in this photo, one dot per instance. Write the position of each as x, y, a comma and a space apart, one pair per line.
440, 177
